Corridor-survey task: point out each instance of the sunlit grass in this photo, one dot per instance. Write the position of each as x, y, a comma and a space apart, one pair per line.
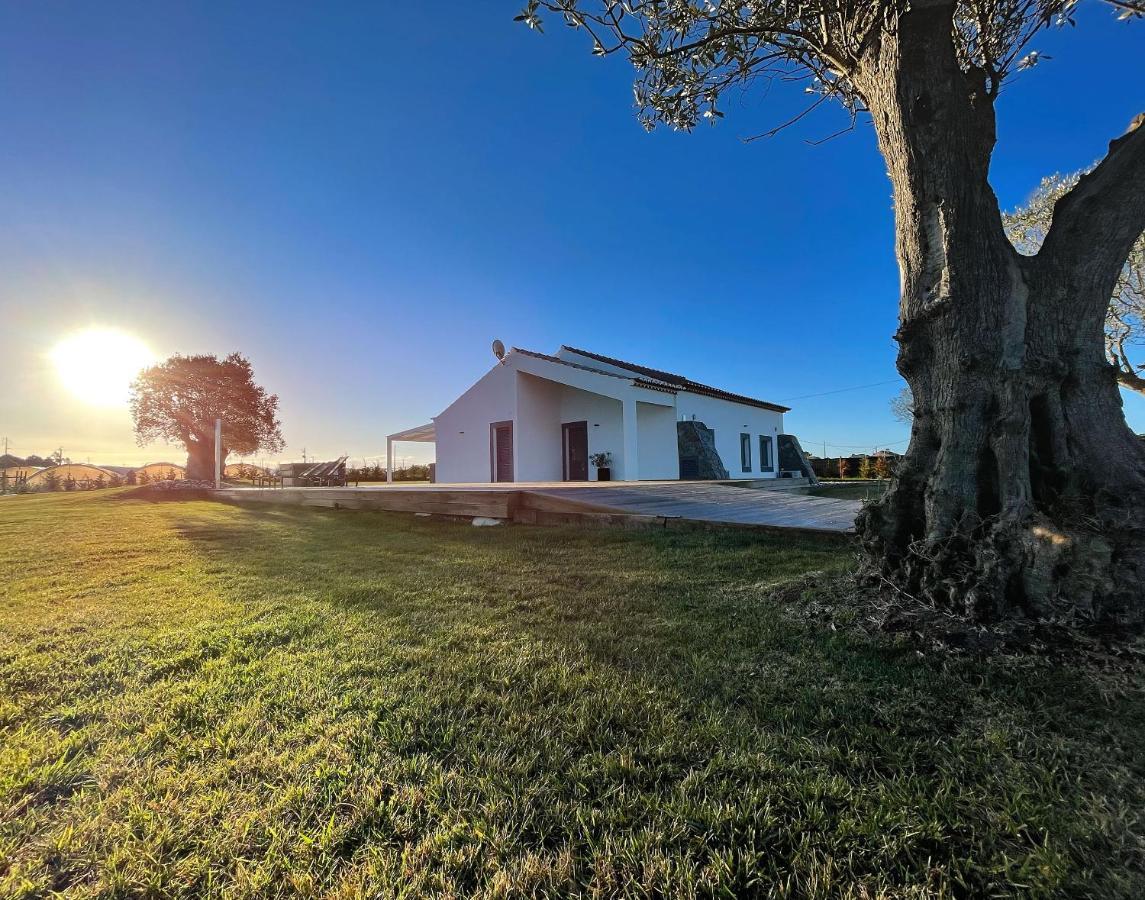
204, 700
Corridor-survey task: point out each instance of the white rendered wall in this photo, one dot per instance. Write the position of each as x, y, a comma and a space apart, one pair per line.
537, 437
605, 425
463, 429
728, 420
659, 450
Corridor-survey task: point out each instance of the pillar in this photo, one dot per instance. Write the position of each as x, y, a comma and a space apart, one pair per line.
631, 444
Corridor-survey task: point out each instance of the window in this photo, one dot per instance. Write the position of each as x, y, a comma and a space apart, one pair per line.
765, 453
745, 452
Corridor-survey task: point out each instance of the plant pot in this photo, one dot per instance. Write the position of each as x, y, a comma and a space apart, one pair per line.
604, 474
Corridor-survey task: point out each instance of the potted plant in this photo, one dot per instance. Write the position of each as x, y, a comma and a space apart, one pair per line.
603, 463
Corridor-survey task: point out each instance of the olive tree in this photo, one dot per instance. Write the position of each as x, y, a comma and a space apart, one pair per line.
1028, 226
1023, 489
179, 400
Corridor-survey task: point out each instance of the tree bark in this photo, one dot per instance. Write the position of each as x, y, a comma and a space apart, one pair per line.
201, 458
1023, 489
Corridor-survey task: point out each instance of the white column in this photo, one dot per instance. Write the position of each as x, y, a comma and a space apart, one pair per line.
631, 445
218, 453
389, 459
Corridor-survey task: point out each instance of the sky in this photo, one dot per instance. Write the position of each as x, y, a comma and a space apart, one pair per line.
360, 197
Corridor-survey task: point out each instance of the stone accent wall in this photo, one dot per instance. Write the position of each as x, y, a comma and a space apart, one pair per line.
698, 456
793, 459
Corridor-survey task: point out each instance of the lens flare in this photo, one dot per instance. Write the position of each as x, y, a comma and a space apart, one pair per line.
99, 364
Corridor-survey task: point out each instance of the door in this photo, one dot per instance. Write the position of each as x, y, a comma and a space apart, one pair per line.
574, 440
501, 451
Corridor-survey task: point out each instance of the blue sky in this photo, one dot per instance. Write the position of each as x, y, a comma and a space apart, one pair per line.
361, 197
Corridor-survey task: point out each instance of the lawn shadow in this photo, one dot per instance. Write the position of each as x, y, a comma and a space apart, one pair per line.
692, 610
590, 681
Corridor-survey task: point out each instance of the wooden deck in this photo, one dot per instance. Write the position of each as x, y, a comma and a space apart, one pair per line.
699, 501
646, 503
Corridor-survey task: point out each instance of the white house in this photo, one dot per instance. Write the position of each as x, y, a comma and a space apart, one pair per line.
536, 417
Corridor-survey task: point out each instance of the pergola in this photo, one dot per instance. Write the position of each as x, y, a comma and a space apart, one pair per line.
423, 434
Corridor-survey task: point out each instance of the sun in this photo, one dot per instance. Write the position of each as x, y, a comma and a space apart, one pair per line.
99, 364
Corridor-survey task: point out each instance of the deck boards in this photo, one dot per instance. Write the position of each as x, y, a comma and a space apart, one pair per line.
707, 502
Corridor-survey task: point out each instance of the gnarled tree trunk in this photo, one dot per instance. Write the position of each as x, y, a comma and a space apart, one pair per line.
201, 458
1023, 490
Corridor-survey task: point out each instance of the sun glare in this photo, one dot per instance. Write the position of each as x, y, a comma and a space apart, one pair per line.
98, 365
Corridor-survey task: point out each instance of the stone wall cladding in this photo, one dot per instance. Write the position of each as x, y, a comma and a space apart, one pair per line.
698, 456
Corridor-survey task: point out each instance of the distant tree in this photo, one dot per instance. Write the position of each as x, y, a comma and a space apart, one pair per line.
143, 477
69, 483
116, 480
844, 467
99, 482
51, 481
866, 467
179, 400
1018, 430
7, 461
882, 466
902, 406
130, 477
37, 461
1028, 225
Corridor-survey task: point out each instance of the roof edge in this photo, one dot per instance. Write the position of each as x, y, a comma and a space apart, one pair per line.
678, 382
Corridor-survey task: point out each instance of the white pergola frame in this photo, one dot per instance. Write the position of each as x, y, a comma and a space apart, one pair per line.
422, 434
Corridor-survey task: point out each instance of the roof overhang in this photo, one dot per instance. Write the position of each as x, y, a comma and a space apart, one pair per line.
426, 433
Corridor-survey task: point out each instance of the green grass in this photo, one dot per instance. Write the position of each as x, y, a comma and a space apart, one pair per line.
205, 700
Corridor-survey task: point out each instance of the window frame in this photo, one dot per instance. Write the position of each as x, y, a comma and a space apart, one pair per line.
766, 463
745, 451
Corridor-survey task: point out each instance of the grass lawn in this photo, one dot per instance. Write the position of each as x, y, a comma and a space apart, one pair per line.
204, 700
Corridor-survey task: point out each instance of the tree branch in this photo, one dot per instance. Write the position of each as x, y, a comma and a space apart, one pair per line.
1095, 224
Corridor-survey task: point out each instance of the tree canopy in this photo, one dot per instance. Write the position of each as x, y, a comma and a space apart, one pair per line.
179, 400
687, 54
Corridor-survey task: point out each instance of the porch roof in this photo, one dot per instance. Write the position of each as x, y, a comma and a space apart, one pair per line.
426, 433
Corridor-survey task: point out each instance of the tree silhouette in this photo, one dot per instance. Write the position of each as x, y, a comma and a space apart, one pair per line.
180, 399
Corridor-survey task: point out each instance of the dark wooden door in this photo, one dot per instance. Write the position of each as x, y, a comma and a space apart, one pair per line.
501, 445
574, 440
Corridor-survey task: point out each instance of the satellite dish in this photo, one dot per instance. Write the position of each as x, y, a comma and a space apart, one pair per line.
499, 350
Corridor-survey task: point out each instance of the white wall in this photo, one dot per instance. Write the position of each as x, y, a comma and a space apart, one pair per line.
537, 437
605, 425
463, 428
658, 448
728, 420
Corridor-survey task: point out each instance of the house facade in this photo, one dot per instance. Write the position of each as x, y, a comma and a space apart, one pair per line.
542, 417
